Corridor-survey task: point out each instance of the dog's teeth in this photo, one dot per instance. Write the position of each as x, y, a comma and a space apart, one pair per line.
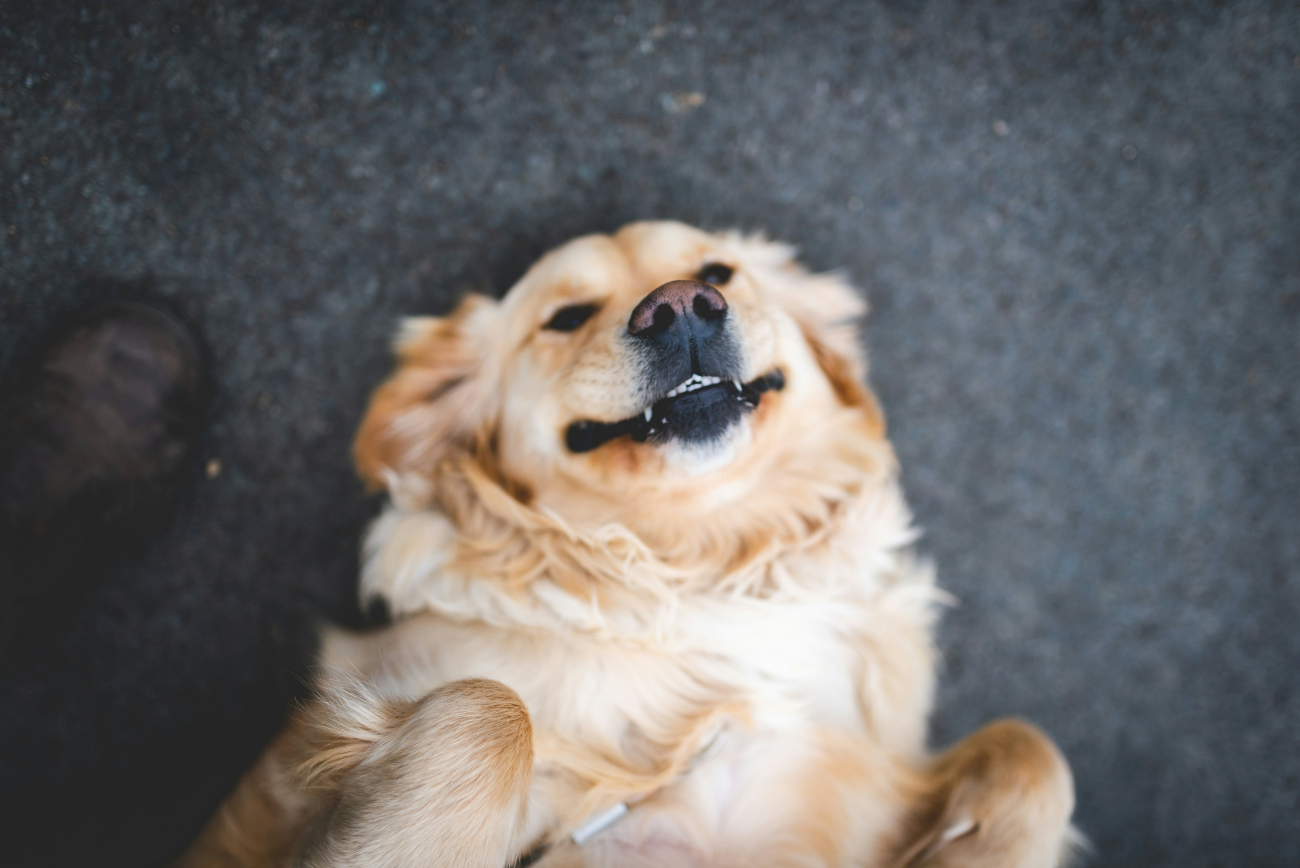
736, 383
648, 413
695, 383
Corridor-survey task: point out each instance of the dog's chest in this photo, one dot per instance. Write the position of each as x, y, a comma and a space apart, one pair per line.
778, 666
774, 679
742, 702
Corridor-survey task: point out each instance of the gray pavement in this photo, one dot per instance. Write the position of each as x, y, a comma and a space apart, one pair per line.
1078, 226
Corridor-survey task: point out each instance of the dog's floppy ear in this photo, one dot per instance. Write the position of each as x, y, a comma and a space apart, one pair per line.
442, 394
828, 311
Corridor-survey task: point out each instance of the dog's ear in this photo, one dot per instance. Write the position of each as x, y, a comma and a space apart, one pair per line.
828, 311
442, 394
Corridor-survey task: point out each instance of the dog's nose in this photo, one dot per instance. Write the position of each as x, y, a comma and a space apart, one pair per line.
691, 304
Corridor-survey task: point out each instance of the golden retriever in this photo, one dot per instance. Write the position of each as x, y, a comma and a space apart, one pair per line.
654, 595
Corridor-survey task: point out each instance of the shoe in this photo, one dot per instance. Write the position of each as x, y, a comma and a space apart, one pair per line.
96, 437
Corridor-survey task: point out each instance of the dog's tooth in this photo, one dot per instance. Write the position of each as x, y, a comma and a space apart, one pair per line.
736, 383
648, 413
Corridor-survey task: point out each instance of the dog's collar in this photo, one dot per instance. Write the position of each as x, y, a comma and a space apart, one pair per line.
605, 819
598, 822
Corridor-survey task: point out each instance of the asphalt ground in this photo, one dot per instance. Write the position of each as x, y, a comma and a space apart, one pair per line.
1078, 226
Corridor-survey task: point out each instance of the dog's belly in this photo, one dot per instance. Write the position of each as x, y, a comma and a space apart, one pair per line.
794, 798
794, 768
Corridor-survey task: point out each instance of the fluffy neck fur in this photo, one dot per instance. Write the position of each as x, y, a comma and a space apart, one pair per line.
459, 543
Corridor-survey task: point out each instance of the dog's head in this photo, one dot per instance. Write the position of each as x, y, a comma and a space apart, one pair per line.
658, 369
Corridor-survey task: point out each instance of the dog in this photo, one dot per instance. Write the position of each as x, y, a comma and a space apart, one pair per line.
654, 595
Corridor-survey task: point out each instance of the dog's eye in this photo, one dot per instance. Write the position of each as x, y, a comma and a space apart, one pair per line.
715, 273
570, 317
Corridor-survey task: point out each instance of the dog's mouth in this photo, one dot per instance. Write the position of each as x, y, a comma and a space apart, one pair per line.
698, 410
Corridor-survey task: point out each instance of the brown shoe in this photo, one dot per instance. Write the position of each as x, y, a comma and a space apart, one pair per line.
95, 439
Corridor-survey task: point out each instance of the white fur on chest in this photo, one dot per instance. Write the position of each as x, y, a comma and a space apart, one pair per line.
800, 651
838, 646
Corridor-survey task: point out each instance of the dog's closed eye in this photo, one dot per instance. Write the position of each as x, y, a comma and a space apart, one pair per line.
570, 317
715, 273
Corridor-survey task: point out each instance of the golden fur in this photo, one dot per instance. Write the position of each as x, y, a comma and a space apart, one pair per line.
732, 639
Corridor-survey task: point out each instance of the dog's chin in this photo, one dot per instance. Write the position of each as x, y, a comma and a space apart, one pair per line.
697, 457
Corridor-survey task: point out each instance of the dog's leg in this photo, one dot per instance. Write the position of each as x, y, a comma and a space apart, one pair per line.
442, 781
259, 825
1000, 798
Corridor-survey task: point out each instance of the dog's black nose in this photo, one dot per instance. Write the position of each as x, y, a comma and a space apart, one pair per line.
681, 329
679, 305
